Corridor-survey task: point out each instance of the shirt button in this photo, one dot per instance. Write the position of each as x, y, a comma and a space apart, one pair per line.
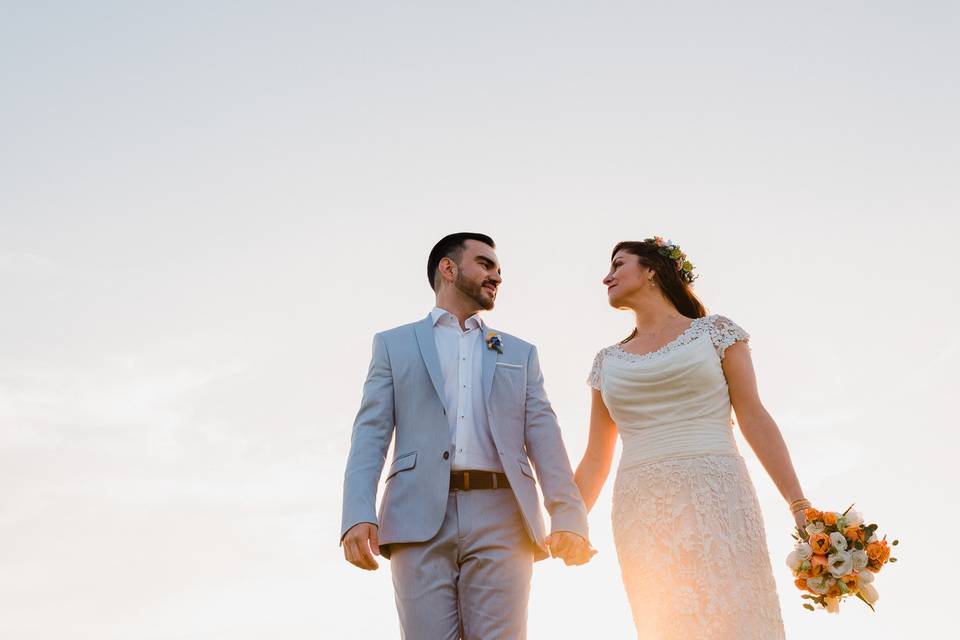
446, 455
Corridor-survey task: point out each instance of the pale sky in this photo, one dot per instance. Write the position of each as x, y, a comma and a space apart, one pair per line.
207, 210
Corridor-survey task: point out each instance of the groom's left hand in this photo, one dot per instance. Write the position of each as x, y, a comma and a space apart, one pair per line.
570, 547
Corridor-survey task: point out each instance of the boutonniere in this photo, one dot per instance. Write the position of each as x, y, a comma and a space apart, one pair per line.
493, 342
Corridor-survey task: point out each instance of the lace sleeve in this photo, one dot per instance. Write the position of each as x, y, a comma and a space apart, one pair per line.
725, 332
594, 378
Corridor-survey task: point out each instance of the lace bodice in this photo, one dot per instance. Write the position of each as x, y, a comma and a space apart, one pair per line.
723, 332
672, 401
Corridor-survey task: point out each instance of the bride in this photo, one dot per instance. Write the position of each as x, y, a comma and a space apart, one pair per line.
686, 522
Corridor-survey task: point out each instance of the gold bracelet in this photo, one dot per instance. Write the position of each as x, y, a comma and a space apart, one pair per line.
799, 504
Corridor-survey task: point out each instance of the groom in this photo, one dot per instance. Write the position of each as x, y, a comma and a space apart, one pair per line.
459, 519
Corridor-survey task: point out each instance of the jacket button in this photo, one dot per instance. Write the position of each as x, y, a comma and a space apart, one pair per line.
446, 455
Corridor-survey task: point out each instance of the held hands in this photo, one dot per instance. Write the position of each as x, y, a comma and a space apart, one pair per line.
360, 545
570, 548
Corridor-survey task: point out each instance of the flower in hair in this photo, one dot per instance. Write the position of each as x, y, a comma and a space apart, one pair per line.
668, 249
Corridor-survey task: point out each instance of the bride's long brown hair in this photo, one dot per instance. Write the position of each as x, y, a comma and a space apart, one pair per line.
667, 277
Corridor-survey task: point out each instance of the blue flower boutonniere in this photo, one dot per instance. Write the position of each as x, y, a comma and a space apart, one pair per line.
493, 342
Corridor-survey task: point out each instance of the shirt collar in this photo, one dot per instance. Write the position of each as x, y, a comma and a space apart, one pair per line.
442, 316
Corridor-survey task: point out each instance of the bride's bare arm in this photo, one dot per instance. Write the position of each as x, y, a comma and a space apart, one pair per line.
757, 426
594, 468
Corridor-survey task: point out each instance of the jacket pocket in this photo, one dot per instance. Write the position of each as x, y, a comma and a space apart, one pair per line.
403, 463
526, 470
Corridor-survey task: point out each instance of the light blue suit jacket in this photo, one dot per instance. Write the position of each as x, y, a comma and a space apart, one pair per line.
402, 399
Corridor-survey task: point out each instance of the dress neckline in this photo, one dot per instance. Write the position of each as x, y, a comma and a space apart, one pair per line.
685, 337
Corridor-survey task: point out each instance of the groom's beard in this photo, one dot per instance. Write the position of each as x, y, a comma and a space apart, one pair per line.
473, 291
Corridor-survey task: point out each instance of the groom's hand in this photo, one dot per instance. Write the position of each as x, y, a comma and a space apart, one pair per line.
360, 545
570, 547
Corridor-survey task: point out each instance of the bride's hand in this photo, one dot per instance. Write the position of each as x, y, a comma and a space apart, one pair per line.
800, 519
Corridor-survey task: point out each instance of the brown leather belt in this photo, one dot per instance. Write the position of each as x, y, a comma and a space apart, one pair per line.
469, 480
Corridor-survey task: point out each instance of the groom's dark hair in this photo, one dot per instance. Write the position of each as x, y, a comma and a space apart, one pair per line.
452, 247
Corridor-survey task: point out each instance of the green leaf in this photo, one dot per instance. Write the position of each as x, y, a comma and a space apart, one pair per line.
848, 510
860, 595
808, 606
895, 542
893, 559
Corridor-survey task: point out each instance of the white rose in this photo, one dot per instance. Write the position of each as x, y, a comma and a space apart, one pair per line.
865, 577
794, 561
839, 563
814, 528
821, 584
869, 593
804, 550
838, 540
854, 517
859, 558
872, 538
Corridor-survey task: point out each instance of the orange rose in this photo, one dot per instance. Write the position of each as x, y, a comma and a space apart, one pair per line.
854, 533
812, 514
834, 591
851, 581
818, 564
878, 551
829, 518
801, 583
820, 543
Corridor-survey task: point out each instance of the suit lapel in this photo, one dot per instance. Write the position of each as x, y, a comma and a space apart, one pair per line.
428, 350
489, 363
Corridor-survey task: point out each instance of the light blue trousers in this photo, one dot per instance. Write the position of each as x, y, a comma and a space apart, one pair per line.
472, 580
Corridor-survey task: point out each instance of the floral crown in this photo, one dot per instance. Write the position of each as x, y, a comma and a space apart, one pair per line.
668, 249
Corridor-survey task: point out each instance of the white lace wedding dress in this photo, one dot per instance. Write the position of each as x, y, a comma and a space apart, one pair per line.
686, 522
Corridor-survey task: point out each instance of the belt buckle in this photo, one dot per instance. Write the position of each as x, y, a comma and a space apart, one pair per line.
466, 481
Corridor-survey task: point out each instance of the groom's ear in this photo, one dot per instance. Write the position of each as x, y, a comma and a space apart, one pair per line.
446, 270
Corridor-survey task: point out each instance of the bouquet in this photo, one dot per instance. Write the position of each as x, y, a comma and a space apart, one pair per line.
836, 557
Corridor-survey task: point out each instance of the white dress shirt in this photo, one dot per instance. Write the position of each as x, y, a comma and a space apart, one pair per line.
461, 362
